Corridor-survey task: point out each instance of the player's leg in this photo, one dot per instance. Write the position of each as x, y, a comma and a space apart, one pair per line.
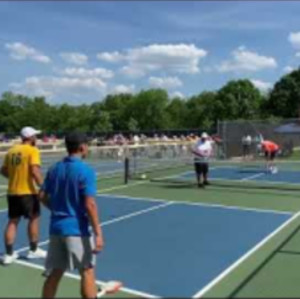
272, 162
205, 173
14, 215
244, 151
56, 263
83, 259
247, 152
31, 208
51, 283
88, 283
198, 173
267, 158
9, 239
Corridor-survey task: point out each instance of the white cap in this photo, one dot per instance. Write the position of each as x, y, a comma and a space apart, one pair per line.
204, 135
28, 132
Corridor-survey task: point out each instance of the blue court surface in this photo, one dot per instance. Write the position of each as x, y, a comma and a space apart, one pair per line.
237, 174
165, 248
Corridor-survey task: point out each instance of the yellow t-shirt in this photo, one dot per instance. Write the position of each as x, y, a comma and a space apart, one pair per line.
18, 161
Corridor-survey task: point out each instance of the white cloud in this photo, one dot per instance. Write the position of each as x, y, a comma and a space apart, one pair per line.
180, 58
110, 56
20, 51
83, 72
74, 58
262, 85
245, 60
165, 82
175, 58
122, 89
132, 72
177, 94
53, 86
288, 69
294, 39
297, 54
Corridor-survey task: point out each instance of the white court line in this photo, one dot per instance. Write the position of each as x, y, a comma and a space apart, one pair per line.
123, 186
266, 181
129, 197
118, 219
253, 176
99, 282
216, 280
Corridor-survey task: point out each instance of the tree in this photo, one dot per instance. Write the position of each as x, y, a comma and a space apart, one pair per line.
284, 100
133, 125
148, 108
100, 119
201, 111
116, 106
238, 100
177, 113
103, 123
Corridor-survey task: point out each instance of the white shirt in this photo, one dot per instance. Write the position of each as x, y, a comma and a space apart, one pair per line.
205, 149
136, 139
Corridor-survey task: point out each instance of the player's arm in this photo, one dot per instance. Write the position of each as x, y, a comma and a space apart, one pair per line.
35, 167
36, 174
197, 153
4, 171
90, 190
44, 196
91, 208
4, 167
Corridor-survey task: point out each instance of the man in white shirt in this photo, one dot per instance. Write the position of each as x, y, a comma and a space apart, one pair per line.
246, 142
136, 139
202, 152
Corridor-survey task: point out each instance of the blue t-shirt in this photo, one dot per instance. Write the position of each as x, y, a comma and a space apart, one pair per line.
67, 183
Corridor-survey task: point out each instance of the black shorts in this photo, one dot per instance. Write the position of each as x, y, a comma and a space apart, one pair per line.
201, 168
270, 155
27, 206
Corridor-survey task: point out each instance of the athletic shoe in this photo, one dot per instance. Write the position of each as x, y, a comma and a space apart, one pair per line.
100, 293
201, 185
206, 183
7, 259
37, 254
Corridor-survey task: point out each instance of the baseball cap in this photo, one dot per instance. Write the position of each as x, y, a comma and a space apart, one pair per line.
204, 135
28, 132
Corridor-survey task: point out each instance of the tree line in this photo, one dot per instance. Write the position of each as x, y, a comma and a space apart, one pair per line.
153, 109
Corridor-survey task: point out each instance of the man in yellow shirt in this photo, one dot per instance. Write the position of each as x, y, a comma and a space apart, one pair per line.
22, 169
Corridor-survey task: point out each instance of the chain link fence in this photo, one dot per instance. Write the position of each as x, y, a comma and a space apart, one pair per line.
285, 132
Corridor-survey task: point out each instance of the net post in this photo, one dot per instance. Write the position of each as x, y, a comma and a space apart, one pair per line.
126, 172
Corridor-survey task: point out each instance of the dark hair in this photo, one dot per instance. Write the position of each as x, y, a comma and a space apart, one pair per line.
74, 140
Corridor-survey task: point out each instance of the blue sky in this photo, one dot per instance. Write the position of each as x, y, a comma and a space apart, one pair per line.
78, 52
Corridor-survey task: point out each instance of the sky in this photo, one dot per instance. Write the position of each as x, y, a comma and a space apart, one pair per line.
78, 52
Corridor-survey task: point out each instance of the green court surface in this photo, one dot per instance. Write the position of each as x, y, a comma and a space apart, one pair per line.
270, 271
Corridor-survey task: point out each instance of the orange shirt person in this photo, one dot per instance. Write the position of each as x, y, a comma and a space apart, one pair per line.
271, 149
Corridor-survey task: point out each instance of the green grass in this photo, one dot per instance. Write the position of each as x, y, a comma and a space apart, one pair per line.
27, 283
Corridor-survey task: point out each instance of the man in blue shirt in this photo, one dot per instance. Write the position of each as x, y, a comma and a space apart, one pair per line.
69, 192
